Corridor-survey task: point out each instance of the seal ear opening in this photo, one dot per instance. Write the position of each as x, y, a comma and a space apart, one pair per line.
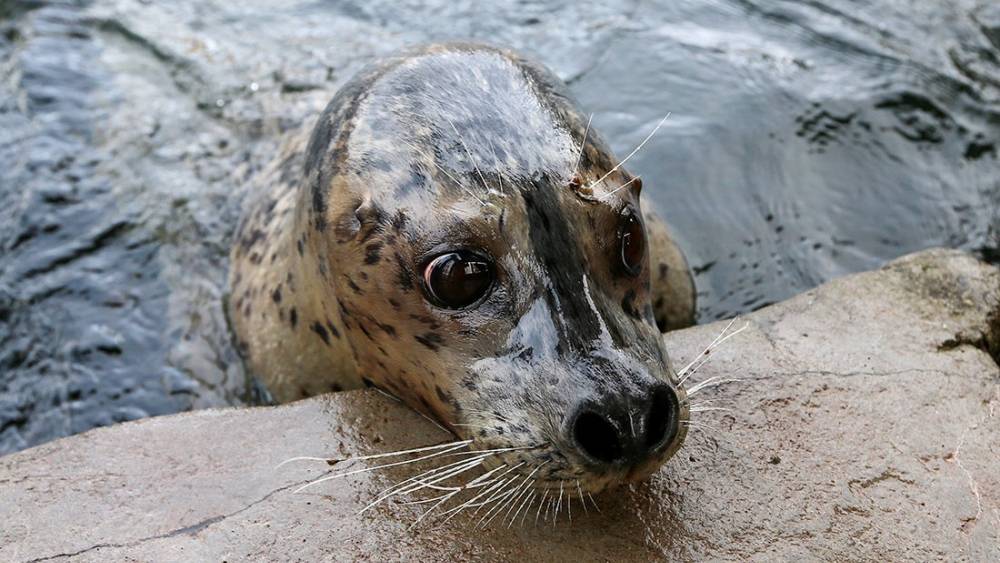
637, 185
360, 222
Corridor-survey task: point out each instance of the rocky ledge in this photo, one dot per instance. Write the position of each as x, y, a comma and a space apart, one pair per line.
864, 425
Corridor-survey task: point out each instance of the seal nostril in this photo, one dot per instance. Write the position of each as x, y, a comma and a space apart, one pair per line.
597, 437
661, 419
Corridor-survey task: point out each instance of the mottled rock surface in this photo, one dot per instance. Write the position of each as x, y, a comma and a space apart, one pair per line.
864, 426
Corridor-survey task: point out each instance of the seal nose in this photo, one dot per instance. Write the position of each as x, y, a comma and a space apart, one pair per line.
619, 432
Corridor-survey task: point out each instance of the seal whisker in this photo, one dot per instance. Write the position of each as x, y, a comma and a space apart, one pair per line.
702, 426
383, 466
442, 476
597, 508
509, 503
524, 488
683, 371
496, 159
469, 153
558, 505
526, 506
569, 506
619, 188
491, 486
497, 450
540, 504
526, 495
498, 502
710, 382
449, 175
439, 474
495, 488
395, 489
584, 503
708, 409
510, 498
431, 509
708, 357
457, 445
635, 150
705, 356
528, 510
583, 145
705, 402
428, 500
444, 498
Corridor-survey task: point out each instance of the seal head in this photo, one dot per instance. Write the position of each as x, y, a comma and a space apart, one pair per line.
485, 258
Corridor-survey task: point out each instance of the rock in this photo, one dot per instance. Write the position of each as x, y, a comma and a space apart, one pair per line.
864, 426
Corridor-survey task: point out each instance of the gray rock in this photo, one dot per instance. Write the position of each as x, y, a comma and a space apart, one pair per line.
863, 427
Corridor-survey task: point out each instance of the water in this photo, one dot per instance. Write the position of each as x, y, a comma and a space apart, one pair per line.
806, 141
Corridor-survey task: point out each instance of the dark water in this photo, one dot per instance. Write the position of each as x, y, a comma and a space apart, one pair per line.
807, 140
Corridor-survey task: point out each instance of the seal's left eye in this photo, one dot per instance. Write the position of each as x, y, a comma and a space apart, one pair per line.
633, 244
458, 279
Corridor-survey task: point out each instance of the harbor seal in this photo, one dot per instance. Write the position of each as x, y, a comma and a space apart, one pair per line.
454, 233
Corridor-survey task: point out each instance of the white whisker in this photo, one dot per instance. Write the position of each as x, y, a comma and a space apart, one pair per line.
432, 483
431, 509
540, 504
497, 161
497, 450
528, 499
383, 466
703, 426
707, 354
635, 150
583, 145
709, 409
710, 382
509, 503
569, 504
377, 456
398, 487
448, 174
491, 486
524, 488
498, 502
559, 503
472, 161
620, 188
446, 497
682, 373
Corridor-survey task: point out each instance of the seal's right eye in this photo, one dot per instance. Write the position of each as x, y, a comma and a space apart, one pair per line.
458, 279
632, 239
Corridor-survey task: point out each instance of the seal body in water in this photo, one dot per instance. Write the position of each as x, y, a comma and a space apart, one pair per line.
453, 233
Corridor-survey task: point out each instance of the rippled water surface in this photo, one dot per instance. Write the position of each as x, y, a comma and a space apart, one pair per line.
806, 140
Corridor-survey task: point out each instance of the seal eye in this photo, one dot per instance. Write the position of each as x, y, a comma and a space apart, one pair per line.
458, 279
633, 244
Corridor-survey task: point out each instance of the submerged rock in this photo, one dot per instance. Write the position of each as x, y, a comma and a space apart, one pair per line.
863, 426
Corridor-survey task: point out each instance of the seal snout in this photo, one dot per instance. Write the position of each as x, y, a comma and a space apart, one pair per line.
616, 432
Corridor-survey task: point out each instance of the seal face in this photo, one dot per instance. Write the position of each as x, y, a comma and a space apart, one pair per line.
459, 237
